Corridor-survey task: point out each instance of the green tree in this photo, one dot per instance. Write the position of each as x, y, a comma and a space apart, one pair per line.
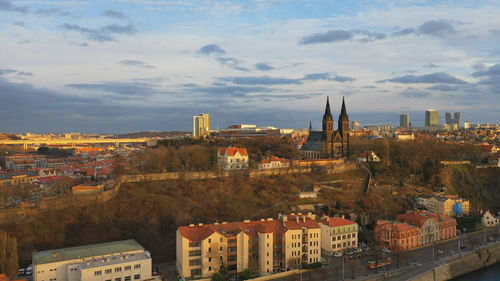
246, 274
218, 277
9, 260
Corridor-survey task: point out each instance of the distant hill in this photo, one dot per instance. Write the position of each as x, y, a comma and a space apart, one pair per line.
4, 136
151, 134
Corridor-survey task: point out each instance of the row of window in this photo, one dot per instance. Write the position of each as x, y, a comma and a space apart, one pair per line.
314, 243
315, 251
313, 235
295, 236
117, 269
348, 236
345, 244
127, 278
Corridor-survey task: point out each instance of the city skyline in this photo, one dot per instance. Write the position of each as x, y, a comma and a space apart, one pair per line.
128, 66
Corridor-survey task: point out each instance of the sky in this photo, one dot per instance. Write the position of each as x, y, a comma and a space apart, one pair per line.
115, 66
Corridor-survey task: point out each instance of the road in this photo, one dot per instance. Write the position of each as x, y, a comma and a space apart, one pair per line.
334, 271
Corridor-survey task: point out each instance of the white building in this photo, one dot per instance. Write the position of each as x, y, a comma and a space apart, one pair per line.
201, 125
338, 234
232, 158
368, 156
274, 163
113, 261
489, 220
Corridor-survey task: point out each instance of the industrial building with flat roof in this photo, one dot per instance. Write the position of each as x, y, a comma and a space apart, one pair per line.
123, 260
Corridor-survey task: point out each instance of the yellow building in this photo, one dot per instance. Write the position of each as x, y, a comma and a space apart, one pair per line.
445, 205
338, 234
264, 246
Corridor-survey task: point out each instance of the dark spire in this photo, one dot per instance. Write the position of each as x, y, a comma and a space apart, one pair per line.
327, 109
343, 111
310, 126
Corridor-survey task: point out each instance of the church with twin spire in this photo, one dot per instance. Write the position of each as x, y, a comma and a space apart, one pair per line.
328, 143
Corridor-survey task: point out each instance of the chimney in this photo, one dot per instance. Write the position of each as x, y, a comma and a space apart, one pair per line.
191, 225
342, 216
200, 224
304, 218
224, 222
297, 219
285, 218
246, 221
216, 223
262, 220
269, 219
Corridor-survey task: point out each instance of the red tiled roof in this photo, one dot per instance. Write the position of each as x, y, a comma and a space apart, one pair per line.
274, 158
291, 222
334, 222
232, 150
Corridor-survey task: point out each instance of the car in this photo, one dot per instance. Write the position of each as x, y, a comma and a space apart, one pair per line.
439, 252
385, 250
21, 272
462, 246
358, 250
338, 255
29, 270
491, 238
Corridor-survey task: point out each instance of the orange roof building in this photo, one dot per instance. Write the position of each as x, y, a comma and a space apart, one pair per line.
338, 234
396, 235
232, 158
274, 162
267, 245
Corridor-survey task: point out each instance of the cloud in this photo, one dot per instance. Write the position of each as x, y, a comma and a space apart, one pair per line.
103, 34
136, 63
330, 36
487, 71
6, 5
413, 93
18, 23
328, 76
7, 71
489, 77
52, 12
232, 63
430, 65
131, 89
437, 28
16, 72
436, 77
263, 66
403, 32
261, 80
211, 49
113, 14
445, 88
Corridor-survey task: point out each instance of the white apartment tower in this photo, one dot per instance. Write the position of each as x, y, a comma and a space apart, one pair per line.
201, 125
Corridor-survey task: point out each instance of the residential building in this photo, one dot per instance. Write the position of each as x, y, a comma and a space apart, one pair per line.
201, 125
4, 277
274, 162
431, 118
489, 220
249, 130
450, 205
456, 118
22, 162
338, 234
232, 158
396, 235
466, 125
433, 227
404, 120
368, 156
116, 261
265, 246
355, 126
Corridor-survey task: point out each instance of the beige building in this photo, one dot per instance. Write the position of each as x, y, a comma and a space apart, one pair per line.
232, 158
114, 261
489, 220
338, 234
201, 125
274, 163
444, 204
264, 246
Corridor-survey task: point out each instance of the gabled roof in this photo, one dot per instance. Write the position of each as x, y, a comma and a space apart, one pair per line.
231, 151
336, 221
274, 159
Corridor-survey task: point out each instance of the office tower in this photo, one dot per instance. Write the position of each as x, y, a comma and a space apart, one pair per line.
456, 118
431, 118
448, 119
404, 120
355, 126
466, 125
201, 125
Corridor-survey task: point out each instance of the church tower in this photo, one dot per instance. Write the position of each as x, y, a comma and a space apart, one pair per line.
343, 128
327, 136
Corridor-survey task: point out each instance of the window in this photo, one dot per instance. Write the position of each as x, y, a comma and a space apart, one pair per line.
137, 276
194, 244
97, 273
209, 240
108, 271
334, 238
209, 259
128, 267
137, 266
127, 278
195, 262
118, 269
354, 235
195, 272
118, 279
192, 253
220, 239
209, 268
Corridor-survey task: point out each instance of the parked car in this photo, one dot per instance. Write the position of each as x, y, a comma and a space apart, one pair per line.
385, 250
439, 252
21, 272
29, 270
358, 250
338, 254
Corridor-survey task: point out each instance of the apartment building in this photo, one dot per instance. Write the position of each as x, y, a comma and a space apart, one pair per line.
396, 235
450, 205
489, 220
433, 227
113, 261
232, 158
338, 234
264, 246
22, 162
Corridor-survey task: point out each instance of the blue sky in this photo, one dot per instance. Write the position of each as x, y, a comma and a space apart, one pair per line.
132, 65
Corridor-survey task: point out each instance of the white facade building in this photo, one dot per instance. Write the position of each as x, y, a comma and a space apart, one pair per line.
489, 220
113, 261
274, 163
232, 158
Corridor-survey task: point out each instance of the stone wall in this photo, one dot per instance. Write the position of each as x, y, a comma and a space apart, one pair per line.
468, 262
